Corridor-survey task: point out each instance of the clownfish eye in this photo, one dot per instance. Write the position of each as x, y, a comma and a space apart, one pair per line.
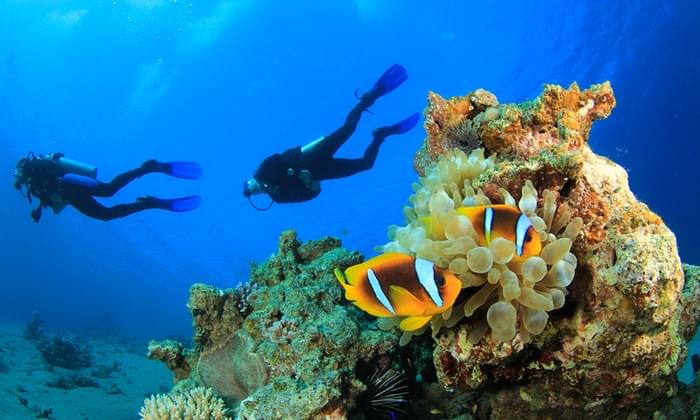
439, 279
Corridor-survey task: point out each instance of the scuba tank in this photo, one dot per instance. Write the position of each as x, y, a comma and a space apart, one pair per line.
70, 166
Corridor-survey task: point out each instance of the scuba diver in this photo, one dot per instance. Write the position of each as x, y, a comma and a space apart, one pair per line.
294, 175
57, 182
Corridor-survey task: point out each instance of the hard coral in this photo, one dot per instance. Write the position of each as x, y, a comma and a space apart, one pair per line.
172, 353
215, 314
504, 290
559, 118
197, 403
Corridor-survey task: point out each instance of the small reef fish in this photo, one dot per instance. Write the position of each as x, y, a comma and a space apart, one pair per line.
397, 285
496, 221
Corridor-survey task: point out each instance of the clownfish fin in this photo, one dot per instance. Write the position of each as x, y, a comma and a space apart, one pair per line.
341, 277
405, 303
388, 257
347, 288
413, 323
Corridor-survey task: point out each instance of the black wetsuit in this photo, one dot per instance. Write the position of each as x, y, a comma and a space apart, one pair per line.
54, 191
279, 174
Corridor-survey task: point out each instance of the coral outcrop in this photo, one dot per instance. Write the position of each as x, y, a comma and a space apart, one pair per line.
284, 345
173, 354
619, 339
559, 118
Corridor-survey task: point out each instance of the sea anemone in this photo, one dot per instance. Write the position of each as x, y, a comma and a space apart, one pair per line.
502, 290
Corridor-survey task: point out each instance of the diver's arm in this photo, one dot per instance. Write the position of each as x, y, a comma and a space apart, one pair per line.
36, 213
305, 177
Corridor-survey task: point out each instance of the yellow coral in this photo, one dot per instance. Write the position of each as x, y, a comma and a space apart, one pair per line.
512, 294
197, 403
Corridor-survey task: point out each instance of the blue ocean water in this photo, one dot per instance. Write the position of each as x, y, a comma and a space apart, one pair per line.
228, 82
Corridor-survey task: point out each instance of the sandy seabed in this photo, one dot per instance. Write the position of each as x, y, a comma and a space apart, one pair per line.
123, 375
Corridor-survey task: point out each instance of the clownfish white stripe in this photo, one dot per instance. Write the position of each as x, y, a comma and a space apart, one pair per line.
488, 224
378, 292
426, 277
521, 227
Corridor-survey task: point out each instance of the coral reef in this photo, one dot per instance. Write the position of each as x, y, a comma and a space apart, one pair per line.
197, 403
617, 342
284, 346
64, 353
33, 330
590, 318
685, 404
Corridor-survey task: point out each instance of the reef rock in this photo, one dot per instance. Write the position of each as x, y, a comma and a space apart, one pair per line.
616, 344
284, 345
173, 354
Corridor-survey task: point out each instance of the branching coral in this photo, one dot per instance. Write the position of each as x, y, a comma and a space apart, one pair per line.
197, 403
513, 289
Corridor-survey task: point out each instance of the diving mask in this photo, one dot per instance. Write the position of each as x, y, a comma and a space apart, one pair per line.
20, 178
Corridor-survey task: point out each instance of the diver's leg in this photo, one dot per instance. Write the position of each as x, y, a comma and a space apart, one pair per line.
179, 169
330, 144
108, 189
340, 168
90, 207
392, 78
331, 168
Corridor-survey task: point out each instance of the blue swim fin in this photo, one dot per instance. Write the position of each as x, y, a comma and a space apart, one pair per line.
401, 127
179, 169
392, 78
185, 170
182, 204
173, 204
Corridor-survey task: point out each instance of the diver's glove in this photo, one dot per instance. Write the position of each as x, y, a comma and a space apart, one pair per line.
36, 214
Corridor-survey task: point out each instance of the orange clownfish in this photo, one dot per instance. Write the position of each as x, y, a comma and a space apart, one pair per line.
496, 221
397, 285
